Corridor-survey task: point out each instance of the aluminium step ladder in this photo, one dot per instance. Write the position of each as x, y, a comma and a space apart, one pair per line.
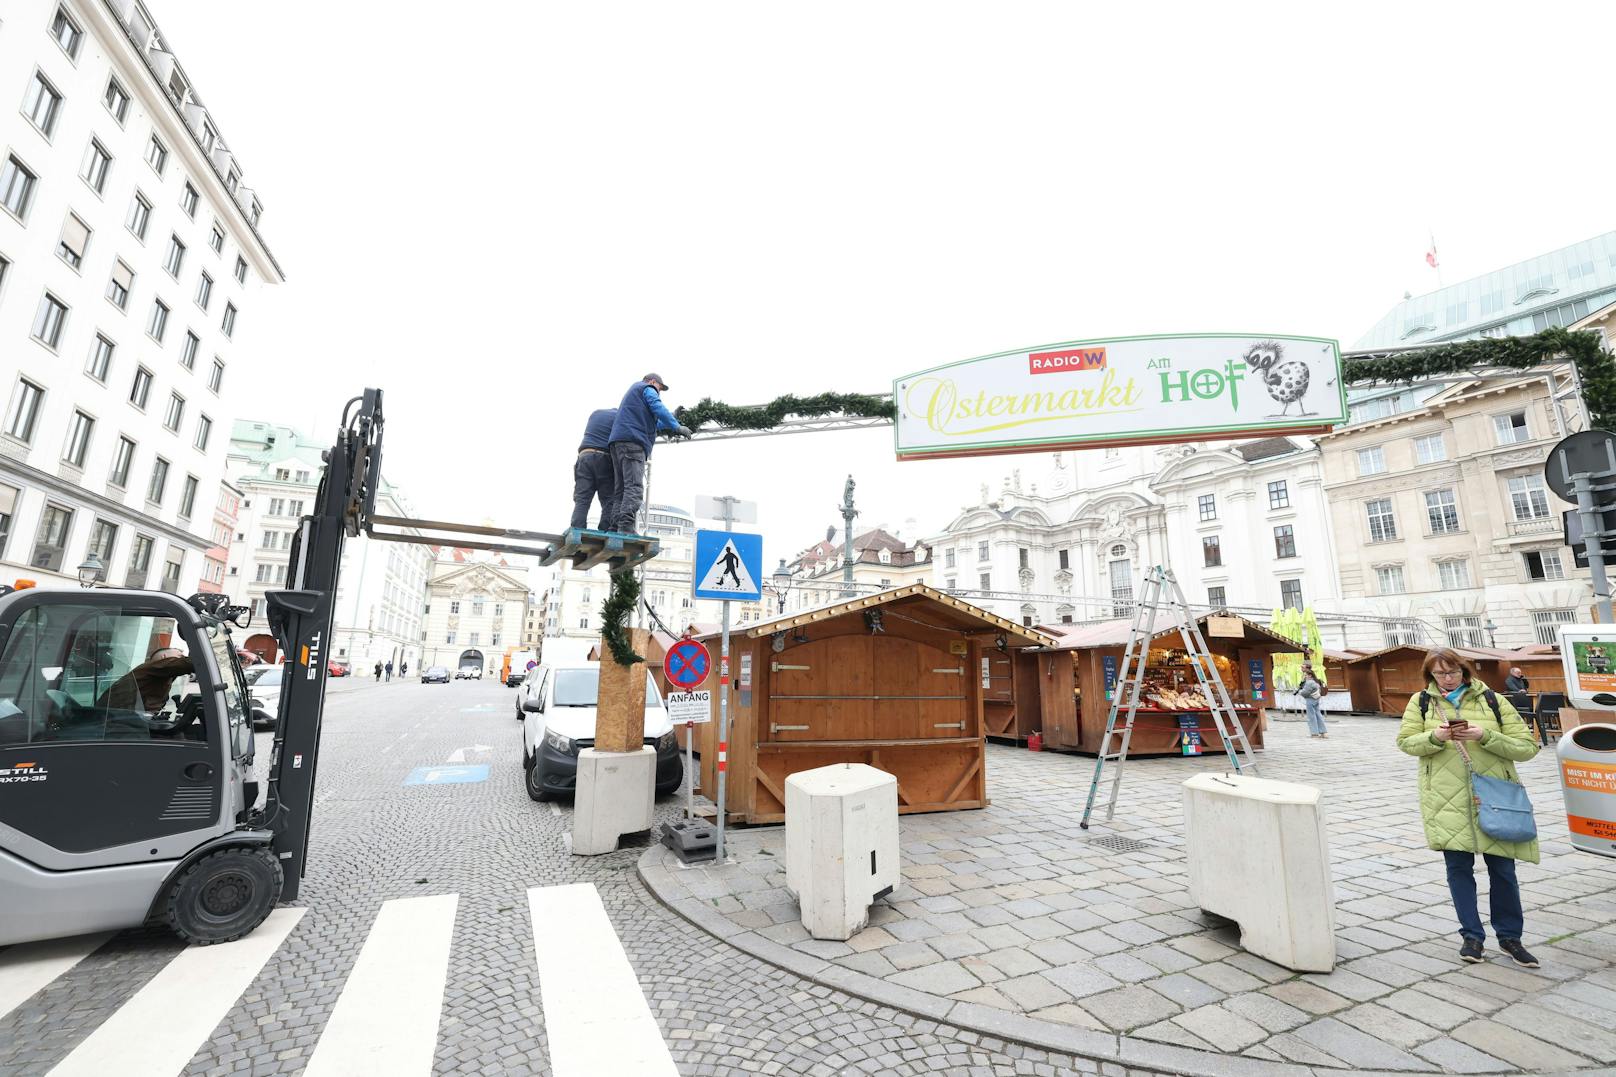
1161, 593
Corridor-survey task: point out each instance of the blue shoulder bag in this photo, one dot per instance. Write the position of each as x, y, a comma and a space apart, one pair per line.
1502, 808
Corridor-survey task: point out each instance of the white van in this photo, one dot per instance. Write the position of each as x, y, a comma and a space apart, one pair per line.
558, 720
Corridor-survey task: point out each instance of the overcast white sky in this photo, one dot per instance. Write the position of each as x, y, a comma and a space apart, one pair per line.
504, 214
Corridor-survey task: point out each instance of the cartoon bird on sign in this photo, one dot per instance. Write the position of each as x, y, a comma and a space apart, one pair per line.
1286, 379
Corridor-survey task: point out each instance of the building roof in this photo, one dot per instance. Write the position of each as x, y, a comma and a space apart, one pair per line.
1264, 449
867, 547
1562, 286
1474, 654
941, 610
1115, 633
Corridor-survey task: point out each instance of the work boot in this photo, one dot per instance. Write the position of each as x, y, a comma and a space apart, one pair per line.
1471, 950
1514, 949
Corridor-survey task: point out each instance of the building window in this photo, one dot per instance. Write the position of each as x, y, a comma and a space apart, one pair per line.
951, 583
476, 639
454, 607
1121, 578
499, 609
122, 459
204, 291
1510, 428
1389, 578
79, 430
1217, 597
1529, 497
232, 180
97, 165
49, 321
1463, 631
188, 351
1284, 541
1544, 565
172, 569
216, 378
74, 242
1212, 551
176, 257
981, 551
141, 388
157, 321
100, 361
188, 200
241, 269
1064, 559
1022, 556
476, 607
1453, 575
1208, 504
120, 285
1290, 594
188, 496
985, 581
216, 239
204, 431
50, 541
228, 325
42, 104
16, 187
159, 481
140, 552
157, 154
1371, 461
116, 98
66, 33
282, 474
1545, 623
1279, 495
1400, 633
1382, 524
139, 216
1441, 512
103, 536
1430, 449
175, 413
948, 558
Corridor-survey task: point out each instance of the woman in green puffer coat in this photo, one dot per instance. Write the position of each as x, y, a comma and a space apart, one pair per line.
1495, 740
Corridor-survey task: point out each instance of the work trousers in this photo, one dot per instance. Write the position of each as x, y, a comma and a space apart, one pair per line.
1315, 719
1503, 895
628, 470
592, 479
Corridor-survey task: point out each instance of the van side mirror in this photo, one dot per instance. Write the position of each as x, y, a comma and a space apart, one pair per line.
532, 706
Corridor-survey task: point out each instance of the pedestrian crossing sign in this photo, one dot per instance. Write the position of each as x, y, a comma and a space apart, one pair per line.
728, 566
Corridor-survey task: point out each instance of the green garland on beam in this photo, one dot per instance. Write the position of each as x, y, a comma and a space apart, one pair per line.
620, 602
1596, 368
770, 415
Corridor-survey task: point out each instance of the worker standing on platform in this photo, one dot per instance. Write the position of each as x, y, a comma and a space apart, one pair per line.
592, 474
639, 417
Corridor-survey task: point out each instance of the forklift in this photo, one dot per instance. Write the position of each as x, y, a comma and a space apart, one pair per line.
126, 727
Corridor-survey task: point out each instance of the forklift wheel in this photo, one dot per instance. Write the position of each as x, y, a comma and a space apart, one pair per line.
224, 895
535, 782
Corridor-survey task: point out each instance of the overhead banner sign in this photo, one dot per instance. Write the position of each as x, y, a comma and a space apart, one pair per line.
1123, 391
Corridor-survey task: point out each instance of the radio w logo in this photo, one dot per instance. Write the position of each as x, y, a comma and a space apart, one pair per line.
1066, 359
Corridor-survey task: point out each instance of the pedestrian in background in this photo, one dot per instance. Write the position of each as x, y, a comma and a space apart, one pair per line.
1454, 717
1311, 690
403, 669
1516, 681
639, 417
389, 668
378, 672
592, 476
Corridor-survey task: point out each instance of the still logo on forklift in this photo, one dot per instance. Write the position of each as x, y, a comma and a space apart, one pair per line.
23, 772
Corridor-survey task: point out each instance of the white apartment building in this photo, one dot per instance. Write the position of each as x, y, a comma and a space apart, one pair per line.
129, 253
381, 585
1074, 545
474, 612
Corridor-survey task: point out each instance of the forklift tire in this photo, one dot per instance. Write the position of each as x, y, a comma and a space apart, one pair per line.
535, 782
224, 895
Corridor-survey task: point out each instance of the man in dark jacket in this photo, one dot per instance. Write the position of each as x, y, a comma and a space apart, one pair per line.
592, 473
1516, 681
639, 417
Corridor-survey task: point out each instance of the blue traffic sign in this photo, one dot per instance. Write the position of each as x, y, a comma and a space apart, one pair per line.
728, 566
686, 664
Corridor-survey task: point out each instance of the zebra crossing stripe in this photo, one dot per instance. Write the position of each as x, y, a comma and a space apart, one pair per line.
386, 1018
27, 969
595, 1014
169, 1019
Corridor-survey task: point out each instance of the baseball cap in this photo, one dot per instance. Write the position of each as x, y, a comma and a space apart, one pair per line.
656, 379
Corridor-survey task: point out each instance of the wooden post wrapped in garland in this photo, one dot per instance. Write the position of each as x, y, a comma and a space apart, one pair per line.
620, 602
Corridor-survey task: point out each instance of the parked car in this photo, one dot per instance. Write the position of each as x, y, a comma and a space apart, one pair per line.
558, 721
469, 673
435, 675
337, 667
264, 682
515, 677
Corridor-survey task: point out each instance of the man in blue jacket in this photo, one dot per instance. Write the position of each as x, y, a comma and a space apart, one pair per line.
592, 473
639, 417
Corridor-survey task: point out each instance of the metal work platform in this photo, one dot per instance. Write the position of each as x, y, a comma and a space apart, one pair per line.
581, 548
586, 549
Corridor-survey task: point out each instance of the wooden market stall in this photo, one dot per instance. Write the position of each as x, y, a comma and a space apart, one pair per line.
1080, 672
1382, 681
898, 680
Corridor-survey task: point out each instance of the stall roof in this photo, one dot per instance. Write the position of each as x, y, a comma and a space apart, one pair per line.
944, 611
1475, 654
1115, 633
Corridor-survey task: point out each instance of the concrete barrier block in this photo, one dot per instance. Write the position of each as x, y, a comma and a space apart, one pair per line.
841, 845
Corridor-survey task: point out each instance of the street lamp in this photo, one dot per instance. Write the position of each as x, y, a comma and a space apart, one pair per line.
1490, 629
90, 571
780, 584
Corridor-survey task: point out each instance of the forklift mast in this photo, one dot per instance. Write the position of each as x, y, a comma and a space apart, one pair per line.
301, 617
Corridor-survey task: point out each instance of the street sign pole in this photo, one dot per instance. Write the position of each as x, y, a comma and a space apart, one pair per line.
1592, 527
1582, 467
723, 696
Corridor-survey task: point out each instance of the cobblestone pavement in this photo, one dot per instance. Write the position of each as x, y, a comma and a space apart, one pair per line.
720, 1010
1013, 920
